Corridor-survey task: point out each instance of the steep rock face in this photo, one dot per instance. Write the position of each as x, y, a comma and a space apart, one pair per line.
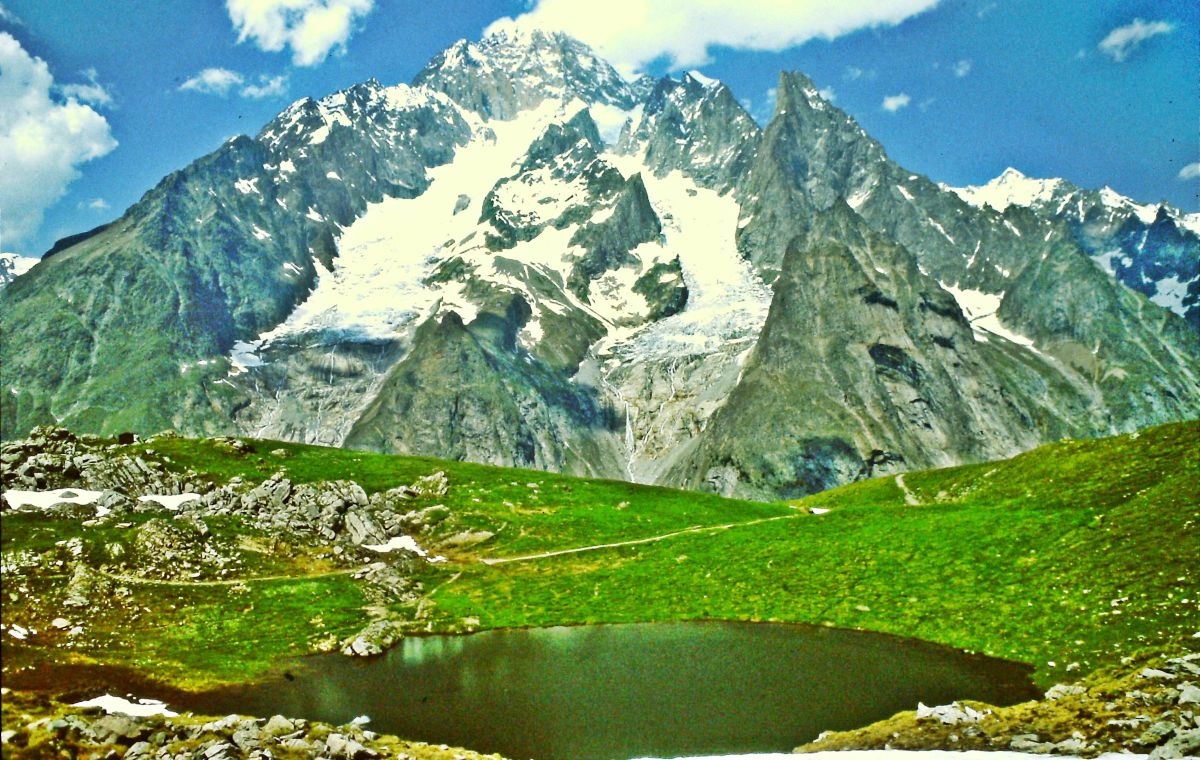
867, 366
460, 393
221, 250
696, 126
608, 243
1142, 360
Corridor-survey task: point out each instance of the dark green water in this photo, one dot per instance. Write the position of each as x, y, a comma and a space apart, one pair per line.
621, 691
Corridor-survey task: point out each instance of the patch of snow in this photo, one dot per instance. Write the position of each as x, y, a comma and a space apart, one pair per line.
286, 166
727, 301
856, 200
333, 175
44, 499
904, 191
244, 355
981, 308
406, 543
135, 706
247, 186
1146, 212
942, 230
610, 120
171, 501
291, 268
377, 288
261, 234
1169, 293
312, 214
706, 82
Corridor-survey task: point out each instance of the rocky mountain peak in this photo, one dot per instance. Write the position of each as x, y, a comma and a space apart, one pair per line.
513, 70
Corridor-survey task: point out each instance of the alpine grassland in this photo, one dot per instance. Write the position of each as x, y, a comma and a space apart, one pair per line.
1069, 557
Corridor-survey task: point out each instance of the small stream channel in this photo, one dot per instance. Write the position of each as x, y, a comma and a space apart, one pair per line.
607, 692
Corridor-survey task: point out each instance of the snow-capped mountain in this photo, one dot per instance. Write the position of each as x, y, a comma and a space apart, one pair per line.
13, 265
522, 258
1154, 249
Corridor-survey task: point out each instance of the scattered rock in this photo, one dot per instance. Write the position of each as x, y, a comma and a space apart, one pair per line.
951, 714
1189, 694
1060, 690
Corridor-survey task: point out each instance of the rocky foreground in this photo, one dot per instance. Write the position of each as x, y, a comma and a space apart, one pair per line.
1152, 706
328, 526
35, 727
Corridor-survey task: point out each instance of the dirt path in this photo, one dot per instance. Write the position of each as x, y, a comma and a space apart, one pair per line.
633, 542
909, 497
225, 582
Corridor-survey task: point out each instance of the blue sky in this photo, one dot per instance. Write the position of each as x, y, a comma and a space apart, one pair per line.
100, 100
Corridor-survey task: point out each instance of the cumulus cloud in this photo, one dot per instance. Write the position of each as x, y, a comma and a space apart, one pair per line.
45, 134
213, 81
93, 92
1124, 40
1191, 171
95, 204
632, 33
962, 68
827, 93
217, 81
311, 28
893, 103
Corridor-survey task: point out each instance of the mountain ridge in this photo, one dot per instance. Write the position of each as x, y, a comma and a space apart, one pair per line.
604, 259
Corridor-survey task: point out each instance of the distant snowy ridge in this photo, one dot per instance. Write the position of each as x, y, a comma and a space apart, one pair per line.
1153, 249
1013, 188
13, 265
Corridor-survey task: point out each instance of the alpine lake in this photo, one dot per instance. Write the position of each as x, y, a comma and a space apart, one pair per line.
608, 692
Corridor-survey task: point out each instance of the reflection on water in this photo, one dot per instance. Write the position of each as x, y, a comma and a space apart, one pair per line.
620, 691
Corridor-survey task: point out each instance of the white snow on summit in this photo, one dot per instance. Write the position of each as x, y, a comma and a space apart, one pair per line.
1010, 188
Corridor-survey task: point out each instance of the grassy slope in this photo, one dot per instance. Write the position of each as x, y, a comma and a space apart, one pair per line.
1077, 552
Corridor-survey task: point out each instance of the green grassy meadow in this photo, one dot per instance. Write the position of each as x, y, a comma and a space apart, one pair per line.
1069, 557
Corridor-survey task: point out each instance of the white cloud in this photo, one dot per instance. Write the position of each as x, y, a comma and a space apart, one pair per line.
217, 81
1122, 41
9, 16
828, 94
95, 204
1191, 171
213, 81
45, 134
631, 33
311, 28
893, 103
962, 68
267, 87
93, 92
